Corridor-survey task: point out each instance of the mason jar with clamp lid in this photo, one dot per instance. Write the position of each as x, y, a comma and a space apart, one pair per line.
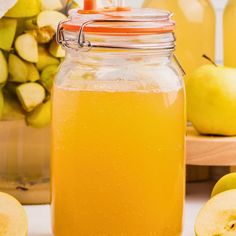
118, 125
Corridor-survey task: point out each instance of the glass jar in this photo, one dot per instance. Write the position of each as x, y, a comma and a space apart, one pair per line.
229, 35
118, 127
24, 162
195, 31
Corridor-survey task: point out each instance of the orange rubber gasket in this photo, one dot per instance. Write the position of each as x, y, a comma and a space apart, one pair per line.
117, 30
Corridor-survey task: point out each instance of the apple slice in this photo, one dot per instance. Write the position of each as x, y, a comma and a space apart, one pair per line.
30, 95
24, 8
27, 47
40, 116
33, 73
51, 5
45, 59
3, 68
18, 69
13, 218
47, 77
50, 18
218, 216
7, 32
12, 108
56, 50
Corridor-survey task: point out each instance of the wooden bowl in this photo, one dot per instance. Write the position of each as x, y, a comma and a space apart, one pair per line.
210, 150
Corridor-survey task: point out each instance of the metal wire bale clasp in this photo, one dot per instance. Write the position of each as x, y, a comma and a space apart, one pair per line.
81, 41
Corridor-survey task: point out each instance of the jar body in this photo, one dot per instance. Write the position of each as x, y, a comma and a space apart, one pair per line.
229, 34
118, 132
195, 29
24, 162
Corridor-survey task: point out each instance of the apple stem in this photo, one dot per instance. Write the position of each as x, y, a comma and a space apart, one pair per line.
209, 59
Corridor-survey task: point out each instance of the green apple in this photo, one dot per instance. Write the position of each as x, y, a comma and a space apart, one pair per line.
24, 8
17, 68
211, 100
50, 18
30, 95
56, 50
3, 68
27, 47
227, 182
51, 5
218, 216
40, 116
7, 32
47, 77
45, 59
5, 6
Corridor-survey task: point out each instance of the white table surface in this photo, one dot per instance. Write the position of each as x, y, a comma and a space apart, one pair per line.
197, 194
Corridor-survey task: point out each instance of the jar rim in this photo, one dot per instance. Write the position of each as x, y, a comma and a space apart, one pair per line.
135, 22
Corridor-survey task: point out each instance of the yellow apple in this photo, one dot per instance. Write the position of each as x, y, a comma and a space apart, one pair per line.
227, 182
211, 100
24, 8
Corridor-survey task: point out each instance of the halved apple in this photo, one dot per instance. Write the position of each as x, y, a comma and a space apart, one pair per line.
13, 219
218, 216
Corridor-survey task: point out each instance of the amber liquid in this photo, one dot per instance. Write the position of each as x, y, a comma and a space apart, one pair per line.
117, 163
195, 29
230, 34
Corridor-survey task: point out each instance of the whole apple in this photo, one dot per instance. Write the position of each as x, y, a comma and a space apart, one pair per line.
211, 100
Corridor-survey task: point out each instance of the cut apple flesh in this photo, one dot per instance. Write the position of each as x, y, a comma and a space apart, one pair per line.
40, 116
3, 68
30, 95
13, 219
56, 50
24, 8
7, 32
45, 59
47, 77
51, 5
33, 74
218, 216
27, 47
17, 69
50, 18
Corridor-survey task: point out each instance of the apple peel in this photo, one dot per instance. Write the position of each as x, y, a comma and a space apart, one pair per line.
5, 6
